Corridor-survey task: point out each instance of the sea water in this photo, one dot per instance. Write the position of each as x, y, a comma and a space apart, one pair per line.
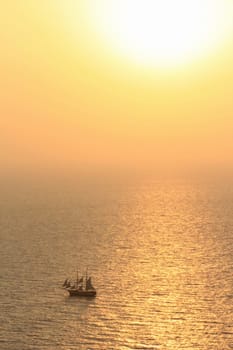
160, 255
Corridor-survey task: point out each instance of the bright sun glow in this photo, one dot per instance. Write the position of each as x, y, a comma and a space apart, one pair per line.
164, 32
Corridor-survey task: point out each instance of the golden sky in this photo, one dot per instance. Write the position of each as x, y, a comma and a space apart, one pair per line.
84, 85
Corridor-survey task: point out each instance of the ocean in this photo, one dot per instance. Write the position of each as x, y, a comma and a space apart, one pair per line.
160, 255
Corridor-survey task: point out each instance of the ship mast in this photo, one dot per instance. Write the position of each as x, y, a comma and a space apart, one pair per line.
86, 277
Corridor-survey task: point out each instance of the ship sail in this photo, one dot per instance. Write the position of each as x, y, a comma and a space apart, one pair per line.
65, 283
80, 280
89, 284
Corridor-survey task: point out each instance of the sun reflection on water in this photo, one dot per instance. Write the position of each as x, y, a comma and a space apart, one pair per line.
160, 257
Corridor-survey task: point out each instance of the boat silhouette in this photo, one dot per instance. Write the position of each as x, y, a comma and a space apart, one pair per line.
81, 287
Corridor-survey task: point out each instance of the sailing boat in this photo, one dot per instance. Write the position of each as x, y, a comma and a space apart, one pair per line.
82, 287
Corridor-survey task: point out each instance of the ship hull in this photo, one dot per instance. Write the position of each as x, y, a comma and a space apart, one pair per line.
82, 293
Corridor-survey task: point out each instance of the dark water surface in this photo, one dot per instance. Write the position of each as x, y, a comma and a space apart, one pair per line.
161, 257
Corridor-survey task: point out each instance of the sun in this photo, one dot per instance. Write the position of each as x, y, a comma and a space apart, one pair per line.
164, 32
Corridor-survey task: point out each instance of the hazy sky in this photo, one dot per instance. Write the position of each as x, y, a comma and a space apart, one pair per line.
70, 99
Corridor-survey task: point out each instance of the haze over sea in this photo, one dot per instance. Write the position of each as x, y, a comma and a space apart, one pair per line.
160, 254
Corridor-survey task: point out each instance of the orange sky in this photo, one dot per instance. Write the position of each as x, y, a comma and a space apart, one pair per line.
69, 101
